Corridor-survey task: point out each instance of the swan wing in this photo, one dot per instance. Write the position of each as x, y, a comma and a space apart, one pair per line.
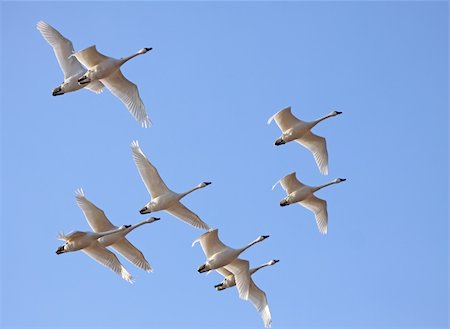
284, 119
183, 213
319, 208
259, 300
289, 183
108, 259
63, 48
150, 176
210, 243
241, 272
225, 273
95, 86
90, 57
128, 93
318, 147
134, 255
95, 217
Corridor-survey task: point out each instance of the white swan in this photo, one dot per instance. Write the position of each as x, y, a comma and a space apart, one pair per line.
219, 255
107, 70
303, 194
294, 129
162, 197
89, 244
98, 221
256, 295
70, 66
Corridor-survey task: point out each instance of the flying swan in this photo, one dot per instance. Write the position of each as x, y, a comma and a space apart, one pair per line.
89, 244
71, 67
219, 255
294, 129
98, 221
303, 194
162, 197
107, 70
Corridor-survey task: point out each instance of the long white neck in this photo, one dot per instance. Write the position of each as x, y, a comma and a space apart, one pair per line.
329, 115
316, 188
101, 234
241, 250
253, 270
132, 227
182, 195
123, 60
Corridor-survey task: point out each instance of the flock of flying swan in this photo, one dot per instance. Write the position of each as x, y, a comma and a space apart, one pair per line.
92, 70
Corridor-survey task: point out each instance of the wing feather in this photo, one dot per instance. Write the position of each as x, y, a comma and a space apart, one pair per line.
90, 57
134, 255
210, 243
241, 272
180, 211
318, 147
95, 217
289, 183
259, 300
319, 208
284, 119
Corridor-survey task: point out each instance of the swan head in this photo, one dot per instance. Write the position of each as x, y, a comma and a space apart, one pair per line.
148, 208
339, 180
58, 90
204, 268
144, 50
262, 238
280, 141
61, 249
220, 286
152, 219
204, 184
274, 261
334, 113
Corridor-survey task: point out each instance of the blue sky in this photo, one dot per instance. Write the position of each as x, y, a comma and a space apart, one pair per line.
216, 73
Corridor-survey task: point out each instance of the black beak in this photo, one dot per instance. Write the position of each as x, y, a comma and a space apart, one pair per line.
218, 285
207, 183
60, 250
57, 91
156, 218
343, 179
276, 260
265, 236
283, 203
201, 269
127, 226
279, 141
337, 112
148, 49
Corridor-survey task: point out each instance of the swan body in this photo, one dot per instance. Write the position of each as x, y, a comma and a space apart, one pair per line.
71, 67
98, 221
89, 244
294, 129
162, 198
256, 295
297, 192
219, 255
107, 70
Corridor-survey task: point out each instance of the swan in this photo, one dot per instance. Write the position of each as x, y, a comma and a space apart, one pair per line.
98, 221
89, 244
294, 129
219, 255
162, 197
304, 195
256, 295
71, 67
107, 70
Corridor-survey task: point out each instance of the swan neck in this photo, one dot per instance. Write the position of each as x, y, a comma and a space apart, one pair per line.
253, 270
123, 60
324, 185
248, 246
321, 119
182, 195
102, 234
132, 227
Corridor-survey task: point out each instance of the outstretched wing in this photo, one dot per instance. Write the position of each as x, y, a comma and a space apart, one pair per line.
289, 183
319, 208
128, 93
210, 243
318, 147
150, 176
90, 57
95, 217
134, 255
108, 259
259, 300
95, 86
284, 119
180, 211
63, 49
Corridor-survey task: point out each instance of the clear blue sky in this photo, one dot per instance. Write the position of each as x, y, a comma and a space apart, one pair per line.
217, 72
